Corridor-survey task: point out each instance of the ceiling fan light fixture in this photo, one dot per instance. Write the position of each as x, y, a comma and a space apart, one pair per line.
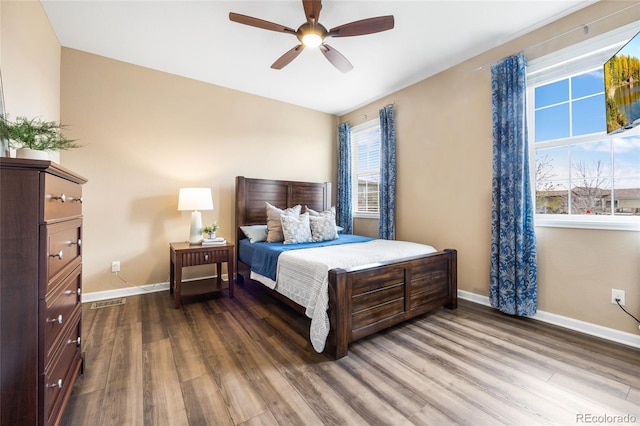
313, 34
311, 40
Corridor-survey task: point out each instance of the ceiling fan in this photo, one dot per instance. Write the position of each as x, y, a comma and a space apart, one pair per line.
313, 34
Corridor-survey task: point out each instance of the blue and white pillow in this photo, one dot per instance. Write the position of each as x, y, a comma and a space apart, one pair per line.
274, 225
330, 214
323, 228
296, 229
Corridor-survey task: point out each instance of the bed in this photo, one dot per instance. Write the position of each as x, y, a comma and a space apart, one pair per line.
361, 300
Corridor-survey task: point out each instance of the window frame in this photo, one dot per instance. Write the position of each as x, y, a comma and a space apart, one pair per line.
354, 171
561, 65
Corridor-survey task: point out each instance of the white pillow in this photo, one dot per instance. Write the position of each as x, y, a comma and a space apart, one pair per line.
323, 228
296, 229
274, 225
331, 212
255, 233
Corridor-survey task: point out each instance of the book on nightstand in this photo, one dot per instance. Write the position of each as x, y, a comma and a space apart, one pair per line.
219, 241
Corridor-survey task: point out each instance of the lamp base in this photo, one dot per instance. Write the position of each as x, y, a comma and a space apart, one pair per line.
195, 232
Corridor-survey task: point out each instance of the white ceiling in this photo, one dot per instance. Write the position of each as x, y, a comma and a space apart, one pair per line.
195, 39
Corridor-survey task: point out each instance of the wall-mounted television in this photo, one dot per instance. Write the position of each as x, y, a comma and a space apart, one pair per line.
622, 87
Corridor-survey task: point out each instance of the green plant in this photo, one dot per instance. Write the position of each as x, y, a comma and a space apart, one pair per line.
209, 229
35, 134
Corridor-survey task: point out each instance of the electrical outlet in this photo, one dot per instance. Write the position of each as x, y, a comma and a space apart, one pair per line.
617, 294
115, 266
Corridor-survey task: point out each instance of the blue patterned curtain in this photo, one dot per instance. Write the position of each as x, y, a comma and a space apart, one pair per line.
387, 190
513, 287
344, 215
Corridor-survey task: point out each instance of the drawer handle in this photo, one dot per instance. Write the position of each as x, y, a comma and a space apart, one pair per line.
58, 384
55, 320
70, 292
206, 257
62, 198
77, 200
78, 243
59, 255
76, 341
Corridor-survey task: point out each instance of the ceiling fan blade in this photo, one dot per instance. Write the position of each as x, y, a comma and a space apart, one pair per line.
336, 58
289, 56
259, 23
312, 9
364, 26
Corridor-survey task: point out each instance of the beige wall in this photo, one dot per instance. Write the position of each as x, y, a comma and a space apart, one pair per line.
148, 133
443, 131
29, 61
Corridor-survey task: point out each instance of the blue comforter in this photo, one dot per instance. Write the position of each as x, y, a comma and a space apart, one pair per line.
263, 257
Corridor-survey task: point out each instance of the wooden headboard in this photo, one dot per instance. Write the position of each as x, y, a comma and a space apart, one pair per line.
251, 195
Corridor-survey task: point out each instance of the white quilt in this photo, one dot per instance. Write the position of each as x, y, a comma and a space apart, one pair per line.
302, 275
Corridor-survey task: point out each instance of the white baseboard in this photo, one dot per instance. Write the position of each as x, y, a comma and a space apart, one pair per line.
566, 322
135, 290
559, 320
123, 292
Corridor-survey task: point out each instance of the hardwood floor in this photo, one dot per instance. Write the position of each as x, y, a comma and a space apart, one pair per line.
247, 361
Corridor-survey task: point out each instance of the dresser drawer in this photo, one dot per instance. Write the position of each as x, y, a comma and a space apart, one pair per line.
62, 198
64, 247
36, 221
60, 374
60, 308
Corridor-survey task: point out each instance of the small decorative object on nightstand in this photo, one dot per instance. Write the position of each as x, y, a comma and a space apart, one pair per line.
184, 254
211, 230
216, 241
195, 199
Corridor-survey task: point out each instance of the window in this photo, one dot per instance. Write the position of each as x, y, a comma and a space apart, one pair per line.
583, 177
365, 170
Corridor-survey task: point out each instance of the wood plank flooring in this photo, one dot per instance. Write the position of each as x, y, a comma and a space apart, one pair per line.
247, 361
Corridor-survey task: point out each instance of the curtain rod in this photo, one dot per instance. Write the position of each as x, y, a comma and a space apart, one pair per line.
366, 114
583, 27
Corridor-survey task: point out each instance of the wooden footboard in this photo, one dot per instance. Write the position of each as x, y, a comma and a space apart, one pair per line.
363, 301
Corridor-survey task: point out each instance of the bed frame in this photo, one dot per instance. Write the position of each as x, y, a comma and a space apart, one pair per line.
363, 300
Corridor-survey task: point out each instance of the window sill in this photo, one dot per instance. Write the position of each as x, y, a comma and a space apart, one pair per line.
589, 222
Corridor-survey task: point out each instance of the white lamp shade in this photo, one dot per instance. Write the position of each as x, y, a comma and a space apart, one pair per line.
195, 199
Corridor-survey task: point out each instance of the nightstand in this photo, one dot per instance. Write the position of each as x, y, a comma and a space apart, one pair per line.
183, 254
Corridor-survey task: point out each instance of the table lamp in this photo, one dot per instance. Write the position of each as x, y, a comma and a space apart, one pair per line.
195, 199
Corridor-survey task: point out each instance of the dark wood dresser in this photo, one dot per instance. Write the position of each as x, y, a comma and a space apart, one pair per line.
40, 287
